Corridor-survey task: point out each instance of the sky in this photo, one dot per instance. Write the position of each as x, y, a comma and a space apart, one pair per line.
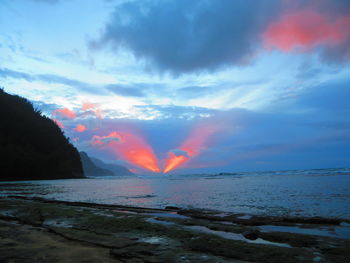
178, 86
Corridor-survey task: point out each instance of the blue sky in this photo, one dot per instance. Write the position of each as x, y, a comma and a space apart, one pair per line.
227, 85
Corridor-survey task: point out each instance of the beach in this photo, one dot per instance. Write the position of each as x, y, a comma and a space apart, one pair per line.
43, 230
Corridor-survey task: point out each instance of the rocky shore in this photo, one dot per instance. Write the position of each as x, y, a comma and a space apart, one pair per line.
39, 230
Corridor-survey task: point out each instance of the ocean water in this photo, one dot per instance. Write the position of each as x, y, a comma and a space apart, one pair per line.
321, 192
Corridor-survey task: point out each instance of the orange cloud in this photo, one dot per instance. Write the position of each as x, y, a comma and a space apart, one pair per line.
64, 113
306, 29
129, 147
194, 145
80, 128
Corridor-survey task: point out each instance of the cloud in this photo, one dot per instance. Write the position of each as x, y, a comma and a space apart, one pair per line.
88, 106
304, 30
174, 111
8, 73
187, 36
64, 113
126, 91
181, 36
51, 78
100, 140
179, 152
305, 131
93, 108
80, 128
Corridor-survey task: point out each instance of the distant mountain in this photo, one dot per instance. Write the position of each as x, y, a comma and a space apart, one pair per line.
117, 170
32, 146
90, 169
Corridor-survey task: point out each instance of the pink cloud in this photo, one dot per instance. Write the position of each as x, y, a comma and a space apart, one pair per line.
306, 29
92, 107
64, 113
80, 128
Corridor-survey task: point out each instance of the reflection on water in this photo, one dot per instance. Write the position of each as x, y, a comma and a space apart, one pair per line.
299, 193
333, 231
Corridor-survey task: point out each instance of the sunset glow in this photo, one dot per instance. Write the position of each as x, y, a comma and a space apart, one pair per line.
174, 161
131, 148
186, 87
194, 145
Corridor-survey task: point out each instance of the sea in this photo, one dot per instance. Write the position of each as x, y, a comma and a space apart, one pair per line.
304, 193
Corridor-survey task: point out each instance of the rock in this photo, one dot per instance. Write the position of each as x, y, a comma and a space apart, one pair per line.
172, 207
252, 235
141, 252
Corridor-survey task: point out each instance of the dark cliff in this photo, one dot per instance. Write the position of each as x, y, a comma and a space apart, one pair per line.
32, 146
94, 167
90, 169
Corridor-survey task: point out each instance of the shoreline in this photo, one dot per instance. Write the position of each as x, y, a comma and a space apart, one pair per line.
116, 233
215, 215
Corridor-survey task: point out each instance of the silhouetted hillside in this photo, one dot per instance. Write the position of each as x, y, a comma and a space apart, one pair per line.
118, 170
32, 146
90, 169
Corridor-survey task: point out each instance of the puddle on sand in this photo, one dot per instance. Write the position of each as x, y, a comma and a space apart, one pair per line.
171, 215
235, 236
9, 213
330, 231
245, 217
154, 240
58, 223
124, 211
155, 221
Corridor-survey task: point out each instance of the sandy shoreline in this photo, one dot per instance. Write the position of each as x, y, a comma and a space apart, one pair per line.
39, 230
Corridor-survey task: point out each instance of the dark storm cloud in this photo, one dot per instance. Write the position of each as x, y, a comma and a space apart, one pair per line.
186, 36
182, 36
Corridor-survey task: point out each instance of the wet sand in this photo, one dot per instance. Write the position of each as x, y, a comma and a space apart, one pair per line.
39, 230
